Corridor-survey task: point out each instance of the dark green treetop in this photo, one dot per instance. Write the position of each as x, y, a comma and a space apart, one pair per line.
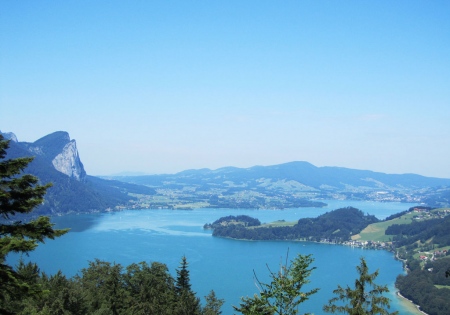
283, 294
188, 303
183, 281
365, 299
19, 194
213, 304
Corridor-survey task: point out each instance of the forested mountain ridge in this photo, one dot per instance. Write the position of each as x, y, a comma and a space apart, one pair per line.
56, 161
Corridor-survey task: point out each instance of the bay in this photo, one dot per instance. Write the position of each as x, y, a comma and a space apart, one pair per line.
223, 265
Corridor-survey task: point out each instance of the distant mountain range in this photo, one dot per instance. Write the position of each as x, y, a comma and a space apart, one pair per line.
293, 184
290, 184
57, 161
304, 174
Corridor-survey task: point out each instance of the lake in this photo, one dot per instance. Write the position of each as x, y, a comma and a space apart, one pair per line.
223, 265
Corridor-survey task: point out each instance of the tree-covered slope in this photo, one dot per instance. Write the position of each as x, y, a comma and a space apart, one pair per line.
335, 226
338, 224
435, 230
428, 286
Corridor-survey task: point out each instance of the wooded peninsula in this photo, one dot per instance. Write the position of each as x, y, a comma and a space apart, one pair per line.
419, 237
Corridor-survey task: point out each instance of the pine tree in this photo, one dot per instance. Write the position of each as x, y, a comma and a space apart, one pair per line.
213, 304
188, 303
183, 280
366, 299
19, 194
283, 294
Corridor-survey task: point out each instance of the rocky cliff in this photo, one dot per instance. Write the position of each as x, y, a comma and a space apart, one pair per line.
56, 161
68, 162
58, 150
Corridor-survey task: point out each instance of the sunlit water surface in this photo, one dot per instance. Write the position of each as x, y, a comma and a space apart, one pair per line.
224, 265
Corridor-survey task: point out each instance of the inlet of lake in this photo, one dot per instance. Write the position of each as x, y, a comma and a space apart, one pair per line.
223, 265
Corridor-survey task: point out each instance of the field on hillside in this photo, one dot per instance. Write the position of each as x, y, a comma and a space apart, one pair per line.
279, 223
375, 232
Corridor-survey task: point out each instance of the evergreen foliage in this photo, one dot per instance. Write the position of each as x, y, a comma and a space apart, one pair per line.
365, 299
283, 294
335, 226
183, 279
187, 302
19, 194
409, 234
213, 304
419, 285
243, 220
109, 288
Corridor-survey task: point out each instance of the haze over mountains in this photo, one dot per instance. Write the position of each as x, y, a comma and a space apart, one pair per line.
293, 184
289, 185
304, 173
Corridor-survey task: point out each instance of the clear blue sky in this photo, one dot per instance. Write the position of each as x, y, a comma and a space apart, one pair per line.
164, 86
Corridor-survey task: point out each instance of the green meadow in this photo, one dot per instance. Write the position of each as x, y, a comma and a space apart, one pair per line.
375, 232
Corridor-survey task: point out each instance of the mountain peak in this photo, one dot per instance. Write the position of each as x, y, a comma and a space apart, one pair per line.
58, 149
9, 136
56, 138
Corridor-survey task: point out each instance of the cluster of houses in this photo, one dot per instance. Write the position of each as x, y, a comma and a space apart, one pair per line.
360, 244
427, 214
368, 244
434, 255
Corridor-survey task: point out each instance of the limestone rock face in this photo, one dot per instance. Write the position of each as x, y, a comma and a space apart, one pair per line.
9, 136
68, 162
56, 150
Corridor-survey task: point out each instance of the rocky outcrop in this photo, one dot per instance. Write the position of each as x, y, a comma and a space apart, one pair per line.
9, 135
57, 150
56, 161
68, 162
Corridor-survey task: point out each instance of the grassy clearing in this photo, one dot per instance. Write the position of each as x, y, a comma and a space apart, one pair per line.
375, 232
279, 223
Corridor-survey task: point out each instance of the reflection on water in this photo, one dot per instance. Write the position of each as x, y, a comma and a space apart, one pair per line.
77, 223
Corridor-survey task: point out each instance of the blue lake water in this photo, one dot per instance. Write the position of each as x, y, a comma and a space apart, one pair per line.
224, 265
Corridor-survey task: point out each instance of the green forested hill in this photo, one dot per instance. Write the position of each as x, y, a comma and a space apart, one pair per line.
421, 238
335, 226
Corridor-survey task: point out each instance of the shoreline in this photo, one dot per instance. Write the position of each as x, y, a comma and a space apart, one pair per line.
410, 304
407, 304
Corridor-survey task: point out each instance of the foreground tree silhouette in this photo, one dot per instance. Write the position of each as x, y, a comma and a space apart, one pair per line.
283, 294
366, 299
19, 195
213, 304
188, 303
